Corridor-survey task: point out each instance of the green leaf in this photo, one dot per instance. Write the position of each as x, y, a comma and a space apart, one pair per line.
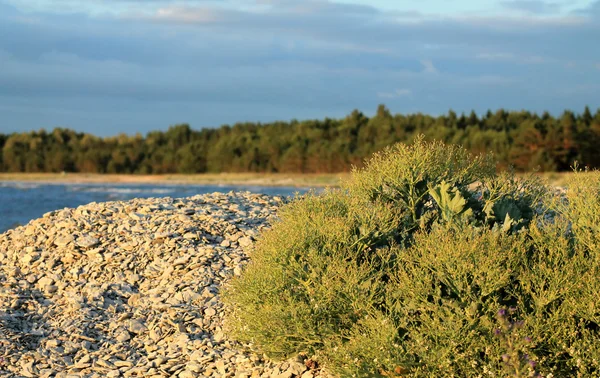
450, 201
508, 223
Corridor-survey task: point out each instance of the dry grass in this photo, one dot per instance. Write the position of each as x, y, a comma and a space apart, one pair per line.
261, 179
297, 180
560, 178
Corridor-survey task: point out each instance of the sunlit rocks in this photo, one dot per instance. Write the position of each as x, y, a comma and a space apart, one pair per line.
130, 289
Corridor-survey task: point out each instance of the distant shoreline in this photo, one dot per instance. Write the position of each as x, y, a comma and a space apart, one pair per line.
258, 179
254, 179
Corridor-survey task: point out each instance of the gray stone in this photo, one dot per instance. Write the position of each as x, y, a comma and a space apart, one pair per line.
210, 312
87, 241
245, 241
297, 368
63, 241
137, 326
123, 337
187, 374
143, 297
45, 281
220, 365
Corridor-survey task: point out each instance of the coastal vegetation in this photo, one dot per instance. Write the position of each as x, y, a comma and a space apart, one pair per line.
428, 263
522, 139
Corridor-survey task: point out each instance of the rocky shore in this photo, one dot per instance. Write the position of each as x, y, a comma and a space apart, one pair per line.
131, 289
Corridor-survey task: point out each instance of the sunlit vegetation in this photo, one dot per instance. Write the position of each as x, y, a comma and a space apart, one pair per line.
525, 140
429, 263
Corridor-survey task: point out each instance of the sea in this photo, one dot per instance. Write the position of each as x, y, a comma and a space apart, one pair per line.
21, 202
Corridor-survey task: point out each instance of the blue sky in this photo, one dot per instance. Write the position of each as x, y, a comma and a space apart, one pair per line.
110, 66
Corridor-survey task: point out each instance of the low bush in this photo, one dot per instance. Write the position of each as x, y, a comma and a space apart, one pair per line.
427, 263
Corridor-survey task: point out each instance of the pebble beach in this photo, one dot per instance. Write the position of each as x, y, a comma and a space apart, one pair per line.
132, 289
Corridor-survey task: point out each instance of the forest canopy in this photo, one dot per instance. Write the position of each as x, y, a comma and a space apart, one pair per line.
522, 139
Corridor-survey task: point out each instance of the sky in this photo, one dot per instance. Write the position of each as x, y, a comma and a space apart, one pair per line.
132, 66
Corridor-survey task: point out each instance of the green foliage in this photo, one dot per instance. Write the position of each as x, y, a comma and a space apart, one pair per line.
324, 236
524, 140
451, 203
444, 296
426, 264
405, 175
512, 201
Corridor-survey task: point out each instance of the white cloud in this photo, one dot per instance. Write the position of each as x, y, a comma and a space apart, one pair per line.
267, 57
492, 80
591, 10
428, 67
495, 56
532, 6
522, 21
189, 15
535, 59
402, 92
511, 57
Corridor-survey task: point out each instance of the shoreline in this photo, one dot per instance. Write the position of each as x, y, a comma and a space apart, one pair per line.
317, 180
252, 179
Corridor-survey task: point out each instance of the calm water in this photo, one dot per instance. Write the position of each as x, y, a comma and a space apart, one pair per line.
21, 202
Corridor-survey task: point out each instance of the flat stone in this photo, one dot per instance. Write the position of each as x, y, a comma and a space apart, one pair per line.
87, 241
220, 365
297, 368
245, 241
51, 289
104, 363
137, 216
137, 326
45, 281
53, 343
63, 241
131, 288
210, 312
162, 235
30, 257
123, 337
187, 374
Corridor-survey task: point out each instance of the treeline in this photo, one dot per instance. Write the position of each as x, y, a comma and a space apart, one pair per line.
522, 139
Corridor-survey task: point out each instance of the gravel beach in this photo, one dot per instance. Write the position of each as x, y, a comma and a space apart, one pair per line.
131, 289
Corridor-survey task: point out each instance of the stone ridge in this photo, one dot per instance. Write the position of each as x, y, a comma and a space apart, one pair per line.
131, 289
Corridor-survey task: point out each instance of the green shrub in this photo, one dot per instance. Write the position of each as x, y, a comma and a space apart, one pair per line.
427, 263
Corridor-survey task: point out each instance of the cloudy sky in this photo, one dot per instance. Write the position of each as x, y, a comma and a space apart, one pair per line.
110, 66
